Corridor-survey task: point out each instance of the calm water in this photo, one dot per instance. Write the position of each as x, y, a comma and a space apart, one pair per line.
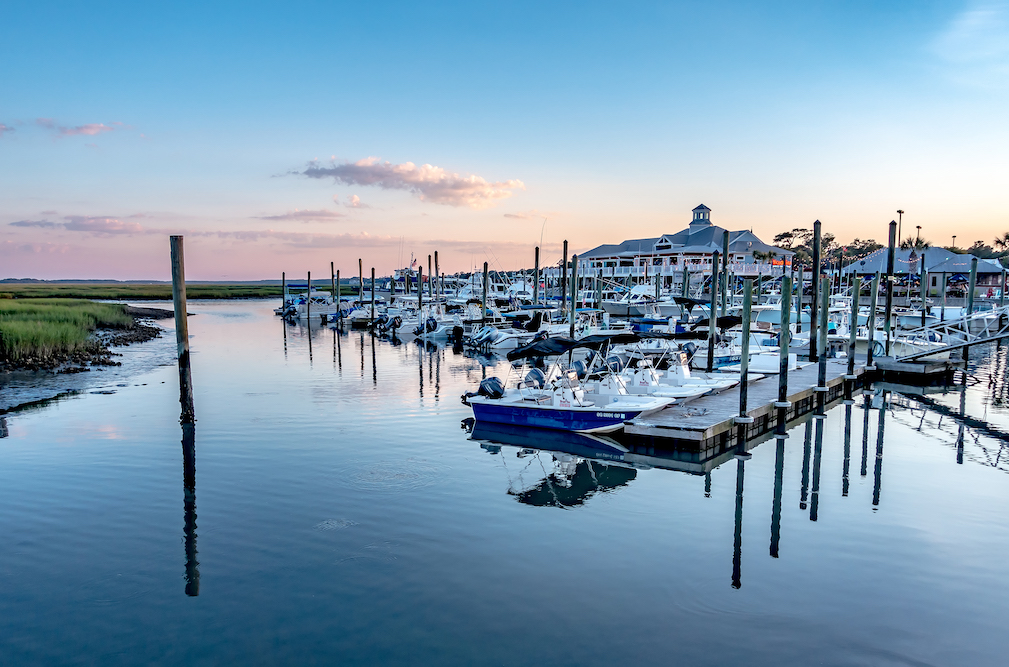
342, 515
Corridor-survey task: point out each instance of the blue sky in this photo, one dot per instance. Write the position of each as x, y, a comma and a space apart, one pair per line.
616, 119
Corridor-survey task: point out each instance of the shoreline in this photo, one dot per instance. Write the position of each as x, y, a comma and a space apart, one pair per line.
100, 353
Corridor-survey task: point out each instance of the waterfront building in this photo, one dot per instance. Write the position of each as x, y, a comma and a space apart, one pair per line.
943, 267
693, 247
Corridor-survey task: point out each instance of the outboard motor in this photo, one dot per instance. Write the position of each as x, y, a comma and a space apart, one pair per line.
543, 335
579, 368
432, 324
536, 378
690, 349
492, 387
616, 363
395, 323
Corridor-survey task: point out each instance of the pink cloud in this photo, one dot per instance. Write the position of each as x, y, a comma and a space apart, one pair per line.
355, 202
85, 223
305, 215
5, 128
429, 183
88, 129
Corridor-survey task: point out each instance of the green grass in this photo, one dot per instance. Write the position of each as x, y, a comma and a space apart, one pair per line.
135, 292
44, 328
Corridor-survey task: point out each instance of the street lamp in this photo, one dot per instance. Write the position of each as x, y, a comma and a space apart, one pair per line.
954, 242
900, 220
919, 235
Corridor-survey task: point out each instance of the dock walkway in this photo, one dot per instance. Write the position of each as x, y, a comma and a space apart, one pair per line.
709, 419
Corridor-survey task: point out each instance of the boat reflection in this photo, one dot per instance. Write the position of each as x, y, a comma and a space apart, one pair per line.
566, 468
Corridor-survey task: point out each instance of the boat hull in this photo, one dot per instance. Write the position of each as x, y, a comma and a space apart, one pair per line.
589, 420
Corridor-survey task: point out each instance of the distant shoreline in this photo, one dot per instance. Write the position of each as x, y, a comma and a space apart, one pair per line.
132, 291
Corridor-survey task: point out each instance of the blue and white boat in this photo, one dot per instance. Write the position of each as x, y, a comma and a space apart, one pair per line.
561, 404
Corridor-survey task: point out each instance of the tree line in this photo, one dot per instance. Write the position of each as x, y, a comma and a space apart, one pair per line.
800, 241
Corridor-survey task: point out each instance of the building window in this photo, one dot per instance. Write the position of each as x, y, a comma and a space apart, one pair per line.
934, 281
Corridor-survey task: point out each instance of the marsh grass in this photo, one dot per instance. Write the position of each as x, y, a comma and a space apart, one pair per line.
45, 328
133, 291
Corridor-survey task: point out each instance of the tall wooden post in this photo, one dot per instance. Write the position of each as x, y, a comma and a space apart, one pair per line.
686, 280
713, 312
332, 283
372, 295
871, 321
924, 288
438, 288
188, 415
798, 300
852, 327
283, 290
308, 307
972, 285
784, 337
536, 275
744, 362
890, 258
420, 293
430, 287
564, 278
821, 385
483, 309
725, 272
360, 281
814, 307
574, 291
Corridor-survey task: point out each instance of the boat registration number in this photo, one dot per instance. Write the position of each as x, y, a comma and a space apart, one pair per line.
612, 415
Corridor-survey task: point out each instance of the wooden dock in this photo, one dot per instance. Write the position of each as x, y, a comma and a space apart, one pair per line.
710, 420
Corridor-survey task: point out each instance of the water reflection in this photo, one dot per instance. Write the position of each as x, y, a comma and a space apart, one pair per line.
189, 503
737, 544
878, 471
779, 469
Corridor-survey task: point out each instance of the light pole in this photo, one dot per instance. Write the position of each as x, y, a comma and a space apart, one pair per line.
954, 242
918, 238
900, 220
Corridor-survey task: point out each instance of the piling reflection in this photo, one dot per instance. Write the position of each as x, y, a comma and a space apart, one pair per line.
846, 465
779, 469
806, 440
865, 436
878, 471
737, 545
814, 500
192, 576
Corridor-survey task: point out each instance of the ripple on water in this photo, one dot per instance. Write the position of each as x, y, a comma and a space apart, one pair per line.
403, 475
115, 589
335, 524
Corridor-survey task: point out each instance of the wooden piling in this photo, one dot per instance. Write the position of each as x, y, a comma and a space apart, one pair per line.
924, 288
713, 312
870, 322
483, 311
852, 327
332, 282
798, 301
360, 281
821, 378
972, 285
308, 307
725, 272
420, 293
564, 278
744, 359
372, 295
1001, 291
536, 275
814, 306
430, 286
283, 290
574, 291
686, 280
888, 311
784, 339
438, 289
188, 415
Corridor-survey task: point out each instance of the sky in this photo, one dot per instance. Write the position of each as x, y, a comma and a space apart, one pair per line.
285, 136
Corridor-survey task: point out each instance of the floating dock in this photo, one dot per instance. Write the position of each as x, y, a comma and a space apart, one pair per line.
710, 420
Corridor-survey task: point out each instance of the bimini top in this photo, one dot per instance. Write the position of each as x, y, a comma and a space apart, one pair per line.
550, 347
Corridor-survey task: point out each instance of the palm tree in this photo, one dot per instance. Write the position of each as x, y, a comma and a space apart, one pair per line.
911, 243
1002, 242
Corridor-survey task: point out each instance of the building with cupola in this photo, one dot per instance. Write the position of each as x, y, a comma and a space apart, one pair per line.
692, 247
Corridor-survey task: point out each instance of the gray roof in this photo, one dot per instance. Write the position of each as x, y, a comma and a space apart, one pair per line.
698, 237
937, 260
